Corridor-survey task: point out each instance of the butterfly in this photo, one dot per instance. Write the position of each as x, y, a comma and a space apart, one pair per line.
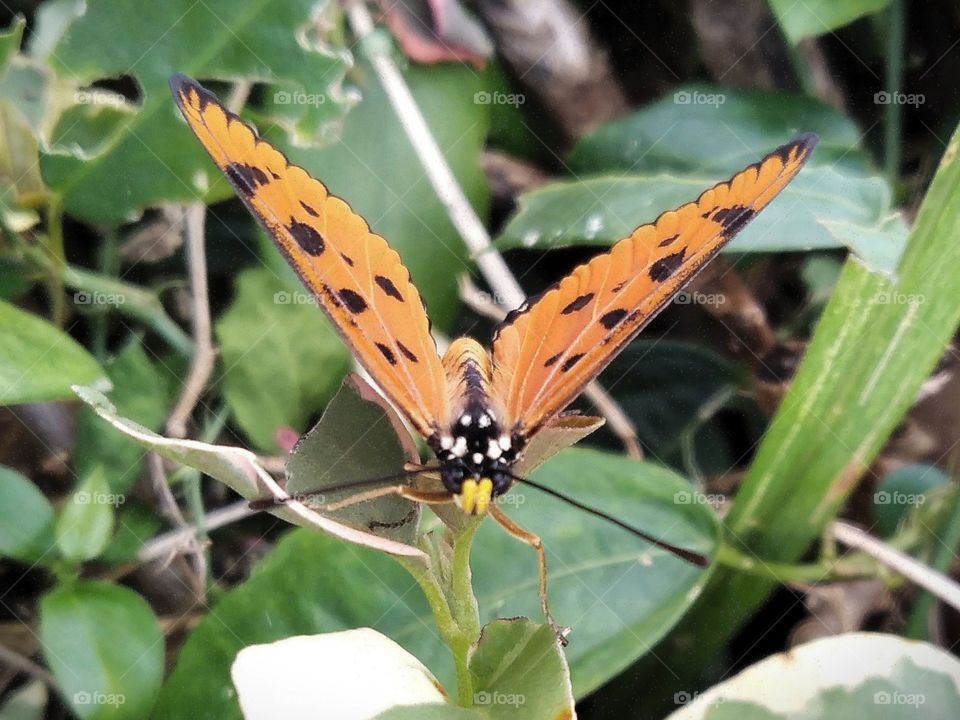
477, 409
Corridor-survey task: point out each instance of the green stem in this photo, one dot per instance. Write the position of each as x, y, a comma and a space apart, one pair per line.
852, 567
463, 602
893, 83
945, 552
55, 246
450, 633
100, 323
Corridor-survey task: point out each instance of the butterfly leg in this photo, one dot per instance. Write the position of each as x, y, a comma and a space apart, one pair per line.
422, 496
533, 541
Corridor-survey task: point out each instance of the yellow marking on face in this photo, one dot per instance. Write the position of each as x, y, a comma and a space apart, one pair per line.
484, 493
468, 496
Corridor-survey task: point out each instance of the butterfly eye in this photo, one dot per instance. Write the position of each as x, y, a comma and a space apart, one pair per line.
452, 477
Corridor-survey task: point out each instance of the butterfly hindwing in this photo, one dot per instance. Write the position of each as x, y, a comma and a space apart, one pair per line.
355, 276
545, 353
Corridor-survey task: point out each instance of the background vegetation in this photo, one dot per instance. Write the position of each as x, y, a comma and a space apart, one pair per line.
793, 414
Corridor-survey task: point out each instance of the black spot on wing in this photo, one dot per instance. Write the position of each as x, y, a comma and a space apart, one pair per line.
347, 259
618, 287
611, 319
552, 359
577, 304
309, 210
307, 237
386, 284
405, 351
246, 177
732, 219
353, 301
387, 353
666, 266
570, 362
669, 241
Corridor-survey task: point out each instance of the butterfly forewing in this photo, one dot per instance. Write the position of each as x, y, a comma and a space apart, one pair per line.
544, 354
355, 276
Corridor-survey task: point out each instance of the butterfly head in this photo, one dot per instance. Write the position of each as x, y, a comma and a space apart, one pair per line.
475, 458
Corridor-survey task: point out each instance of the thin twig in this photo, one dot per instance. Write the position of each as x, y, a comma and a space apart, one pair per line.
24, 664
201, 365
461, 212
175, 540
936, 583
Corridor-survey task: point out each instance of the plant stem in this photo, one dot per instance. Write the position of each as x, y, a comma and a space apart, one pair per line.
107, 265
450, 632
857, 566
57, 267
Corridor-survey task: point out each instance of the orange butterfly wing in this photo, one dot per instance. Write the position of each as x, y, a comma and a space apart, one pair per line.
547, 351
356, 277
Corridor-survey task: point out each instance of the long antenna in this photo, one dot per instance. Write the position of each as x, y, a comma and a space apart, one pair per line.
694, 558
267, 503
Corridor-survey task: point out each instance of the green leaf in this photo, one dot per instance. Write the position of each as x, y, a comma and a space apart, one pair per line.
152, 156
103, 644
631, 170
431, 712
237, 468
519, 672
715, 131
282, 358
811, 18
135, 524
619, 594
140, 393
901, 490
26, 518
38, 361
359, 437
85, 523
883, 677
374, 168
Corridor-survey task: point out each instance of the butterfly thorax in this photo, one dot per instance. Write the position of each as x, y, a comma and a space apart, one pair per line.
474, 451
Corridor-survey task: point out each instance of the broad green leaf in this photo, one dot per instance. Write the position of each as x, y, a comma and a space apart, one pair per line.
359, 437
282, 360
715, 131
811, 18
900, 491
152, 156
882, 677
135, 525
38, 361
353, 674
26, 518
824, 207
103, 644
519, 672
618, 594
374, 168
85, 523
140, 392
237, 468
